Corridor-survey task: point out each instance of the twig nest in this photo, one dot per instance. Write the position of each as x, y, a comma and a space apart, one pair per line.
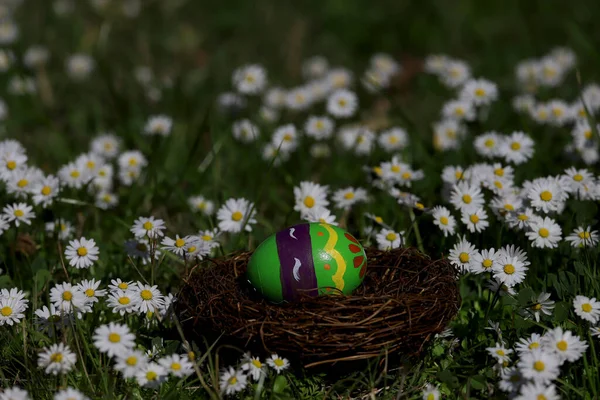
404, 300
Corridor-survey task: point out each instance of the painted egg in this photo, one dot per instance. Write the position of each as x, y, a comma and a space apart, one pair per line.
310, 258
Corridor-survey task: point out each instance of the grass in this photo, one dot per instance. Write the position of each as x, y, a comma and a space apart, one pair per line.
193, 48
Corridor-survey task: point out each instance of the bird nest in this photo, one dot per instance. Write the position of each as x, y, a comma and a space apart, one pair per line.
405, 299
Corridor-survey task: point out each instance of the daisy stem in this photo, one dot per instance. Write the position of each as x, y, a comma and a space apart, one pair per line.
415, 226
565, 384
81, 359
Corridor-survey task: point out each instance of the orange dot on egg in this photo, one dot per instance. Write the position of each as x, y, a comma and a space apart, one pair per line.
354, 248
358, 261
350, 237
327, 267
320, 233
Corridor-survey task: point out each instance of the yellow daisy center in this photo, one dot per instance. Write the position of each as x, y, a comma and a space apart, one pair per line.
56, 357
509, 269
474, 218
147, 225
232, 381
541, 397
349, 196
459, 111
237, 216
562, 345
487, 263
22, 183
544, 232
500, 353
67, 296
11, 165
124, 300
131, 361
586, 307
379, 220
466, 199
578, 177
257, 363
342, 102
107, 146
151, 375
489, 143
179, 242
90, 164
534, 345
536, 306
175, 366
587, 134
479, 92
90, 292
522, 217
114, 337
19, 213
393, 140
287, 137
395, 168
515, 146
458, 175
6, 311
509, 207
146, 294
391, 236
309, 201
133, 162
430, 396
46, 190
123, 285
406, 175
74, 174
546, 195
539, 366
584, 235
278, 362
499, 171
206, 238
463, 257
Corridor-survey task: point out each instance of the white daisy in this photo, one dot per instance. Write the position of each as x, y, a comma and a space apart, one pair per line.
151, 375
177, 365
509, 270
583, 237
545, 195
132, 160
45, 191
14, 393
67, 298
123, 301
21, 181
70, 394
479, 91
540, 304
466, 197
319, 127
539, 365
79, 66
278, 363
587, 308
525, 345
275, 97
113, 339
462, 255
319, 214
431, 392
484, 261
346, 198
342, 103
236, 214
538, 391
73, 175
459, 110
309, 195
199, 203
388, 239
520, 219
285, 138
4, 224
90, 289
545, 232
159, 125
129, 362
299, 98
444, 220
232, 381
19, 213
106, 145
254, 366
314, 67
500, 353
447, 134
565, 345
149, 298
245, 131
81, 253
148, 226
517, 148
455, 73
250, 79
393, 139
57, 359
475, 220
12, 310
142, 250
51, 320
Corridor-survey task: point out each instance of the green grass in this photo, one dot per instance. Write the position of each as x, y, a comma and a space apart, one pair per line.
196, 45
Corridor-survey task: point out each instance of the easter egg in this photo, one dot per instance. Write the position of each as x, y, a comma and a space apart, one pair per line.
310, 259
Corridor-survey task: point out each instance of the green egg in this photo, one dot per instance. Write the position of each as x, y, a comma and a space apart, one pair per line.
311, 258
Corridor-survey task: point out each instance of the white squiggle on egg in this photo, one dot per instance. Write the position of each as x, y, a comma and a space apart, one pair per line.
296, 270
292, 230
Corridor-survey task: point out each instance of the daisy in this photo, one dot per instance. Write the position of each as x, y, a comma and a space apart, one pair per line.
502, 289
545, 232
236, 214
132, 160
159, 125
268, 114
359, 139
11, 310
342, 103
319, 214
346, 198
149, 298
81, 253
565, 345
51, 320
459, 110
545, 195
67, 298
579, 180
509, 270
560, 112
22, 180
523, 103
210, 236
79, 66
14, 393
309, 195
539, 365
123, 301
550, 73
20, 213
387, 239
517, 148
506, 205
374, 80
511, 381
254, 367
393, 139
151, 375
314, 67
113, 339
73, 175
177, 365
275, 97
462, 255
273, 155
142, 249
199, 203
106, 145
521, 219
130, 362
148, 226
443, 220
484, 261
299, 98
583, 237
245, 131
466, 197
69, 394
177, 246
57, 359
250, 79
537, 390
90, 289
500, 353
447, 134
530, 343
451, 174
232, 381
4, 224
431, 392
319, 128
106, 200
479, 91
339, 78
278, 363
435, 63
285, 138
455, 73
541, 304
475, 220
512, 251
587, 308
384, 63
45, 191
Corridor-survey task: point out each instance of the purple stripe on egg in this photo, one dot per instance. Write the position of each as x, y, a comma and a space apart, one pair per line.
297, 266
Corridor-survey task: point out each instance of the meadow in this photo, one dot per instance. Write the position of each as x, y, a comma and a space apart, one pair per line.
140, 139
